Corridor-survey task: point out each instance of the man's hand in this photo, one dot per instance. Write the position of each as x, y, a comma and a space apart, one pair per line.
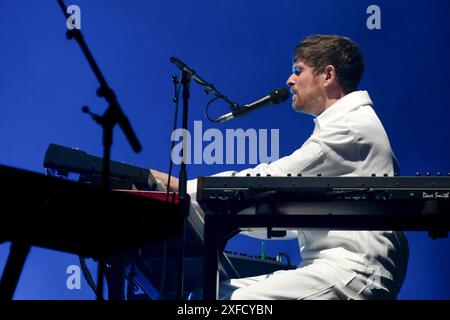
164, 178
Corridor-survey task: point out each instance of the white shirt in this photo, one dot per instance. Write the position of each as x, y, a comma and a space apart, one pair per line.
348, 140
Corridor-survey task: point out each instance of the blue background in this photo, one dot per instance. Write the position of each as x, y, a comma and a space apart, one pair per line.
245, 48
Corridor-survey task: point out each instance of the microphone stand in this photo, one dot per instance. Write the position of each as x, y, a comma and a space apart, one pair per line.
182, 185
186, 76
112, 116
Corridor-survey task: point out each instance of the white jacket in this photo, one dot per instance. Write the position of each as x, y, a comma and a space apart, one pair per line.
348, 140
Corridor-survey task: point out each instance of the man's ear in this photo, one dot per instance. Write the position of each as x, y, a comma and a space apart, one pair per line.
330, 72
329, 76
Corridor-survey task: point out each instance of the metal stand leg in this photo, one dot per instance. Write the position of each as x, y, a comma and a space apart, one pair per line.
16, 259
115, 277
212, 245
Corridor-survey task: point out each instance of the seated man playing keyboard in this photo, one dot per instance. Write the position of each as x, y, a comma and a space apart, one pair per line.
348, 140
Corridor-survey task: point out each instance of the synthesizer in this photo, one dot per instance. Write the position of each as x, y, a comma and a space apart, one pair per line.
295, 202
155, 264
326, 195
327, 188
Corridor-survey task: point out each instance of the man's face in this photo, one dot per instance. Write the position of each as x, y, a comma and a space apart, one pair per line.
307, 94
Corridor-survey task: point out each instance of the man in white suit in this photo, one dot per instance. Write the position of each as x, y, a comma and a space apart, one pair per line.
348, 140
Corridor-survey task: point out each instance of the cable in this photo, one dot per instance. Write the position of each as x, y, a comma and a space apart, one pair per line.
283, 254
84, 269
206, 110
176, 100
163, 269
87, 274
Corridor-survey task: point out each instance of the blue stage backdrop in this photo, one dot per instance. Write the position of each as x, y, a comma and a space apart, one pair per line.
243, 47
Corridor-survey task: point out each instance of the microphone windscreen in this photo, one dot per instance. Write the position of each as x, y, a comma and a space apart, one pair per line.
279, 95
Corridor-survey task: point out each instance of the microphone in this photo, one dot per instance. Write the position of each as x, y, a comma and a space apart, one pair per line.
182, 66
275, 97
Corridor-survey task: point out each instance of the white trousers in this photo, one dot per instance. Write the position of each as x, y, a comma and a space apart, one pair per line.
316, 280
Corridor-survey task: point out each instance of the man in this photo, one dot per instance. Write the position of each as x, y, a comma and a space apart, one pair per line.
348, 140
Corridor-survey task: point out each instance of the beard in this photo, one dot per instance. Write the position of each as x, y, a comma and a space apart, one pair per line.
308, 103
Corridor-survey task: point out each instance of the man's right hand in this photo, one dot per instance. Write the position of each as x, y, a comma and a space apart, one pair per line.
164, 178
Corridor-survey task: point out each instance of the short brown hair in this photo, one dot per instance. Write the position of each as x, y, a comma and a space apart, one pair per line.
318, 51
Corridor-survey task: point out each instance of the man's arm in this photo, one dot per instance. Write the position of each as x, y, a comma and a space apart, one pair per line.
164, 178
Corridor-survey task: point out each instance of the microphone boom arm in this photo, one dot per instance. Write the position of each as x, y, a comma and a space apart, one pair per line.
116, 114
209, 87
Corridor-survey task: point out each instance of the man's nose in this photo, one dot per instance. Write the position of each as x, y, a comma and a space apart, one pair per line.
290, 80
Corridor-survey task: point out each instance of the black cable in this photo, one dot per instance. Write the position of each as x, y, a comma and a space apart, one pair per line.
288, 259
176, 100
87, 274
84, 269
206, 110
163, 269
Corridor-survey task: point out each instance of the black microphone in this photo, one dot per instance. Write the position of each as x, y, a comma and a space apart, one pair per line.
182, 66
275, 97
